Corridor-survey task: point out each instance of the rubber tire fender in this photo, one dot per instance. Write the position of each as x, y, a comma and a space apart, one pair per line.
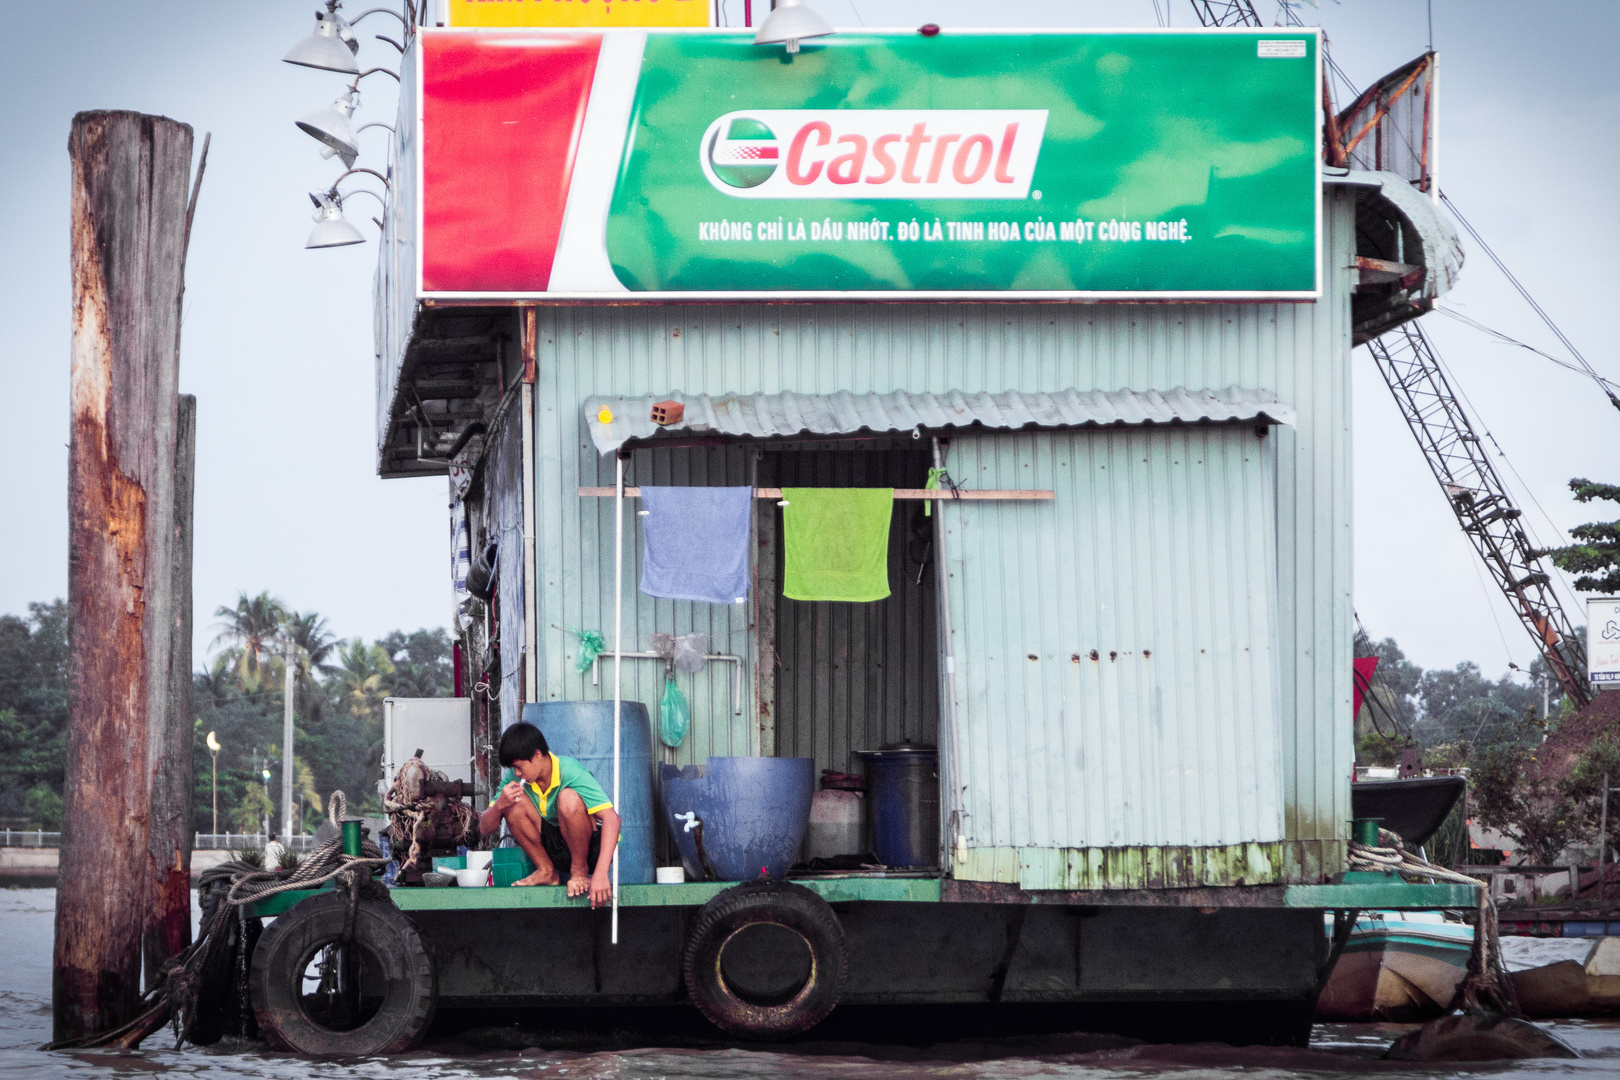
783, 904
290, 942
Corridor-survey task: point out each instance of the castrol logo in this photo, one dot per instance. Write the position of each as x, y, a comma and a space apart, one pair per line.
874, 153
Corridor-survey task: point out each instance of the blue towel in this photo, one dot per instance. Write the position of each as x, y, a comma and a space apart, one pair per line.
696, 543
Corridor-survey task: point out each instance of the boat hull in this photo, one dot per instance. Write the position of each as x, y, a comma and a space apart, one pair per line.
1396, 971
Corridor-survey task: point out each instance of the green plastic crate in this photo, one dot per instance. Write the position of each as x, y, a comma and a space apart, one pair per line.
449, 864
511, 864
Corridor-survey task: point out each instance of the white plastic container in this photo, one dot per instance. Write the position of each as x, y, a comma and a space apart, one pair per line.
671, 875
474, 878
479, 860
837, 824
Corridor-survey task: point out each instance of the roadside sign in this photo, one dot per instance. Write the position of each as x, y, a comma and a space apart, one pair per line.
1603, 640
577, 13
697, 165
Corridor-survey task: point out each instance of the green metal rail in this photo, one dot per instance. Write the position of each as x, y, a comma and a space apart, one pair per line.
1387, 894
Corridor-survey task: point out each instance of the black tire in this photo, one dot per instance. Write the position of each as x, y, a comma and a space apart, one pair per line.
397, 962
775, 903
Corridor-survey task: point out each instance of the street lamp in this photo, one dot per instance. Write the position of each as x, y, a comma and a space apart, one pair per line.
332, 45
213, 749
266, 774
332, 229
789, 24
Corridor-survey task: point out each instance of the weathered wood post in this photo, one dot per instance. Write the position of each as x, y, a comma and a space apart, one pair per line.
168, 921
128, 174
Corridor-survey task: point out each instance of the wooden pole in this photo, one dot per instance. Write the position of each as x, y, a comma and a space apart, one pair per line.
128, 175
168, 923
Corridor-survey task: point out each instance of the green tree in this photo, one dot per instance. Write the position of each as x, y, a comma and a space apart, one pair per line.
252, 808
422, 664
33, 708
1595, 555
361, 679
253, 629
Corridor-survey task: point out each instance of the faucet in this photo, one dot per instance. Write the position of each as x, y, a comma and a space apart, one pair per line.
691, 819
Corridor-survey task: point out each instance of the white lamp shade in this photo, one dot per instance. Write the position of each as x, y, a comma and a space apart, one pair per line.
331, 228
790, 23
331, 127
324, 49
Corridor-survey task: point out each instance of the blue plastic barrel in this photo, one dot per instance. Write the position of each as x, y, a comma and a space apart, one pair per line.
902, 793
754, 811
584, 730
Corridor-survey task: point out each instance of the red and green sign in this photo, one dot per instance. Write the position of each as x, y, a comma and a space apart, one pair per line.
699, 165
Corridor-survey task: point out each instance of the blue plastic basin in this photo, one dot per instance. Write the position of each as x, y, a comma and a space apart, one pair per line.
754, 811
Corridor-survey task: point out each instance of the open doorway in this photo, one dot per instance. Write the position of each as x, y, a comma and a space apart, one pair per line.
851, 676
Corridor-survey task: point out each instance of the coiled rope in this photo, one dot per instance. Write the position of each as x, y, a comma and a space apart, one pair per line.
225, 889
1487, 988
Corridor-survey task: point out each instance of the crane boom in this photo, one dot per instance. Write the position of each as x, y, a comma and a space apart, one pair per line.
1478, 498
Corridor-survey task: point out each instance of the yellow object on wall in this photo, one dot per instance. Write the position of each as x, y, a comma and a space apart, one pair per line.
583, 13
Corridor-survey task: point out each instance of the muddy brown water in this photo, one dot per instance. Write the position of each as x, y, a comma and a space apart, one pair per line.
509, 1050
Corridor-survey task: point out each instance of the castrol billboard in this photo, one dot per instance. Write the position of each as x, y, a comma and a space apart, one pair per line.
695, 165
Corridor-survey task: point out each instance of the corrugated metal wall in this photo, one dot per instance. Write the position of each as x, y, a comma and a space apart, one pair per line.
1136, 706
1300, 351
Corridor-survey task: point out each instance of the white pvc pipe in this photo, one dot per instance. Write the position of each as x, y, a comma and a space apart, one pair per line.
618, 667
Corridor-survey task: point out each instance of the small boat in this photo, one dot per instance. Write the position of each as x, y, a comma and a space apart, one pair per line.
1400, 966
1589, 987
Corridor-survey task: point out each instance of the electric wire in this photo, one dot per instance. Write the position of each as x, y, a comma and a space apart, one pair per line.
1528, 299
1505, 339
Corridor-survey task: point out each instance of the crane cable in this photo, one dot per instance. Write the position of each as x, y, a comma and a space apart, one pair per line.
1603, 384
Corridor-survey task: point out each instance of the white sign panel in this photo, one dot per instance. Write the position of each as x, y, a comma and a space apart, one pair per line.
1603, 641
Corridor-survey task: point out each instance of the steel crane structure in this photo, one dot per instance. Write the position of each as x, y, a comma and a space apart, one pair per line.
1396, 112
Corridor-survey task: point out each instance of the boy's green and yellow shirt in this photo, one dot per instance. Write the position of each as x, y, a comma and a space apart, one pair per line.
565, 773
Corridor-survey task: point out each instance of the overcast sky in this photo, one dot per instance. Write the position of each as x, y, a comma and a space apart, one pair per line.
277, 340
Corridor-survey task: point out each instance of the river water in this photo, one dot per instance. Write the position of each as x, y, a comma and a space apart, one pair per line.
26, 917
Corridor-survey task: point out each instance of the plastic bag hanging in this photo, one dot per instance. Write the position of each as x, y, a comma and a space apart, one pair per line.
591, 645
689, 652
674, 714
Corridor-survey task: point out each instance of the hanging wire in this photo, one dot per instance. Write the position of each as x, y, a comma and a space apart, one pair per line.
1537, 308
1505, 339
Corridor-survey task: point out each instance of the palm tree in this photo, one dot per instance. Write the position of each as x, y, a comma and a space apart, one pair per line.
360, 675
253, 628
312, 646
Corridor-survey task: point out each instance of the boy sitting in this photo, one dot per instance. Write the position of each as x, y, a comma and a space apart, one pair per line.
566, 819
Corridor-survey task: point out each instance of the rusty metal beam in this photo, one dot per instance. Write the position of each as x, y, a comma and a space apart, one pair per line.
129, 177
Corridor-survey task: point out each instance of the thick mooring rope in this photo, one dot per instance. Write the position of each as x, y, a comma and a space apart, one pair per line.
173, 998
1487, 988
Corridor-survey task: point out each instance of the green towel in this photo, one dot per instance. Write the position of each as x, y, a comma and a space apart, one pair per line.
837, 543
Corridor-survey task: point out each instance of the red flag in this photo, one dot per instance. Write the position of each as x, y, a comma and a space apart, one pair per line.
1364, 667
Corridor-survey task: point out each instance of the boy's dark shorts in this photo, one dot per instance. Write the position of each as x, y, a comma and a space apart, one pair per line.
551, 838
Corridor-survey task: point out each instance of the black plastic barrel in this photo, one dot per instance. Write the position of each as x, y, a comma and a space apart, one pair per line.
902, 791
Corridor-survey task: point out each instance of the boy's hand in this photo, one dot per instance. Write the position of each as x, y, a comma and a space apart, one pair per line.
510, 794
601, 889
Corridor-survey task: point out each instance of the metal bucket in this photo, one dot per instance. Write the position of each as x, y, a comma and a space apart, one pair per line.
902, 792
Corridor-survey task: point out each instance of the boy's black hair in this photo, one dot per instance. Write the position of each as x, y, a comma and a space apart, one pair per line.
520, 742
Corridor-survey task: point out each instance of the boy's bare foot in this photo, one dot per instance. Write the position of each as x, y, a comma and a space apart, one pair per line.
546, 876
578, 885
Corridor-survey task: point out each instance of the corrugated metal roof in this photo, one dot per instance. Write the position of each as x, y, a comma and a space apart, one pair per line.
764, 416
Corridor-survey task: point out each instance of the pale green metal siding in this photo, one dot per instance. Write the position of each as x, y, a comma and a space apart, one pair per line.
1299, 351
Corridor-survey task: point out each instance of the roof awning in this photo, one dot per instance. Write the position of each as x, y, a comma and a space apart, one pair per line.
779, 416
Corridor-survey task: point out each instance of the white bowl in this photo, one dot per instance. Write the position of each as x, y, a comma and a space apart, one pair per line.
671, 875
473, 879
479, 860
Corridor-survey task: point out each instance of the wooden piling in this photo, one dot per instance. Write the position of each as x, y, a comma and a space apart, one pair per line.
129, 176
168, 921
